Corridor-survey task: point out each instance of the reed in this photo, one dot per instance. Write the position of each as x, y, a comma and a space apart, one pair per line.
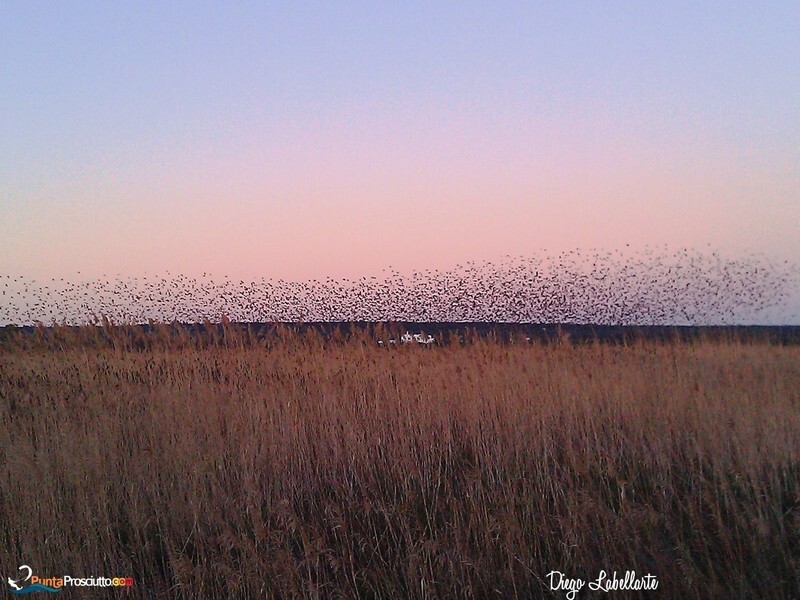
219, 465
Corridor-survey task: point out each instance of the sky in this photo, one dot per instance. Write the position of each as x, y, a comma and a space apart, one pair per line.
306, 139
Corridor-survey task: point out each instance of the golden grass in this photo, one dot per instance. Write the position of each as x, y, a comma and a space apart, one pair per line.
305, 467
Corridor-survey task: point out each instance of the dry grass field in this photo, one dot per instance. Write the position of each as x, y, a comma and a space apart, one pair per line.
300, 466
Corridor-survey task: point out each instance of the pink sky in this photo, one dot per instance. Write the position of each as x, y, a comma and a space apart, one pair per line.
353, 193
270, 140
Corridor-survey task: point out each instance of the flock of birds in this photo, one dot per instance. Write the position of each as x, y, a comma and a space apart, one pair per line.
686, 287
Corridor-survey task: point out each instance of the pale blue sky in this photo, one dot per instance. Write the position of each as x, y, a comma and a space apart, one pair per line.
245, 137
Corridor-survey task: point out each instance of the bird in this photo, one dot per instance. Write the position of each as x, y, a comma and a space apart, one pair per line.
653, 287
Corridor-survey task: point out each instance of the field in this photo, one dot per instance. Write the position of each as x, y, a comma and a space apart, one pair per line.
297, 465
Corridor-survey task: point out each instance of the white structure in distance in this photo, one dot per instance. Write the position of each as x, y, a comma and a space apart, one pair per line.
408, 338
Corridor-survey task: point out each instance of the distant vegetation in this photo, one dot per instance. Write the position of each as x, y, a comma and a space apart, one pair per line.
297, 465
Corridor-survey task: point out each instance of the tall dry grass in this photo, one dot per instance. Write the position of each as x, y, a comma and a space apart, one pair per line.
304, 467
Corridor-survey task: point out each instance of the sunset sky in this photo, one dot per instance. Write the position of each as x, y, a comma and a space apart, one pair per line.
298, 140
